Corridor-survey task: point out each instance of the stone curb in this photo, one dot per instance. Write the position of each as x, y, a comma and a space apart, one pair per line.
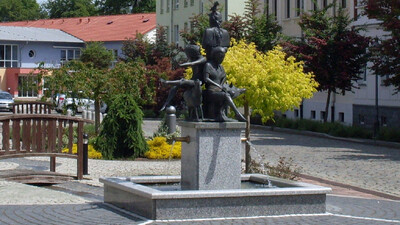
322, 135
363, 190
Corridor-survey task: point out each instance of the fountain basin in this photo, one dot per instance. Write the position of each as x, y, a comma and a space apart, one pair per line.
289, 197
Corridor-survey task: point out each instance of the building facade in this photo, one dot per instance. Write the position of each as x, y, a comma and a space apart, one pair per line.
26, 44
370, 100
21, 53
175, 15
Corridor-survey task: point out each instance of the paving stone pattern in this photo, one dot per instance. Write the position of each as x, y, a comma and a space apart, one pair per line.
365, 166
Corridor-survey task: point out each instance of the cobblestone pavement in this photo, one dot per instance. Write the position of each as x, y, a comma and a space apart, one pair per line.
81, 202
340, 210
365, 166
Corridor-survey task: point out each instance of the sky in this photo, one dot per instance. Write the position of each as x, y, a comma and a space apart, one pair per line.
40, 1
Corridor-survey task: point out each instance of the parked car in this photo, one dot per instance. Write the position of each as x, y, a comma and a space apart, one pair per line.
6, 101
76, 105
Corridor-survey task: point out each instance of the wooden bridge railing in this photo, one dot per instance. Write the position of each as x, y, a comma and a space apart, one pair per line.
42, 135
32, 107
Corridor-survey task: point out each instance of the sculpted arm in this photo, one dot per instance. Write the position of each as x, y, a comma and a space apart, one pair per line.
201, 60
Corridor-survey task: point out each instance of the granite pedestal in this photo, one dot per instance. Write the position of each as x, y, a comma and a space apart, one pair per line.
212, 158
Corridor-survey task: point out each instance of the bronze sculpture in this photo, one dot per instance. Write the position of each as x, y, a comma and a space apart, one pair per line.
217, 95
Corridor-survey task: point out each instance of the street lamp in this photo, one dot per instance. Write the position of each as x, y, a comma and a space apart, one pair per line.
374, 51
85, 153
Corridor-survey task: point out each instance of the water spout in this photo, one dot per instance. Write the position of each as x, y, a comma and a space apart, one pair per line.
182, 139
260, 158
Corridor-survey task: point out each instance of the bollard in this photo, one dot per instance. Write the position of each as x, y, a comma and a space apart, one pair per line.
89, 115
171, 119
85, 153
69, 112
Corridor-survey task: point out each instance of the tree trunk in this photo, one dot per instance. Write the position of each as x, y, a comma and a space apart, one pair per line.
247, 135
97, 115
328, 99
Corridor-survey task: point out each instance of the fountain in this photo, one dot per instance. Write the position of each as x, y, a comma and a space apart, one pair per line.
211, 184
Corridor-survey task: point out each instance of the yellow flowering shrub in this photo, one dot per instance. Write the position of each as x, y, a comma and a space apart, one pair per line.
272, 81
160, 149
92, 153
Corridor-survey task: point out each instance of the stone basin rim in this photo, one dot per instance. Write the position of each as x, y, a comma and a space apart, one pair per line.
128, 185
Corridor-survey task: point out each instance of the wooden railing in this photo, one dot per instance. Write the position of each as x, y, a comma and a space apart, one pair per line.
42, 135
32, 108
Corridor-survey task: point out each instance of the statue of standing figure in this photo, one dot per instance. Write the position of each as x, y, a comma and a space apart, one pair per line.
217, 96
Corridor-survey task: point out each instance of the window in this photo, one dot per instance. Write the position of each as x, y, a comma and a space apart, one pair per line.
361, 119
287, 8
70, 54
343, 4
324, 3
176, 5
161, 6
31, 54
115, 55
185, 3
296, 113
167, 31
383, 121
275, 8
341, 117
363, 77
298, 7
322, 115
8, 55
185, 26
191, 27
176, 34
191, 2
27, 86
312, 114
168, 5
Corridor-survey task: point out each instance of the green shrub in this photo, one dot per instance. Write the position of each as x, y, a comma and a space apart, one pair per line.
389, 134
121, 134
334, 129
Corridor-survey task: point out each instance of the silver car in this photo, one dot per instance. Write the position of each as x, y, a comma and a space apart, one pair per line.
6, 101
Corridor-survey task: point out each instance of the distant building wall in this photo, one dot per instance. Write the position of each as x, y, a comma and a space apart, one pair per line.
3, 79
176, 17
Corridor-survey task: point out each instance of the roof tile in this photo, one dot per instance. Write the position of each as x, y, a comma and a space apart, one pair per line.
97, 28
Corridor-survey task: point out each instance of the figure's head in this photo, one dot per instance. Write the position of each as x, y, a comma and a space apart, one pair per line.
218, 54
215, 17
192, 52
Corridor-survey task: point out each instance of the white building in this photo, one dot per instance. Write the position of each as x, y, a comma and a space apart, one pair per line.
175, 15
358, 108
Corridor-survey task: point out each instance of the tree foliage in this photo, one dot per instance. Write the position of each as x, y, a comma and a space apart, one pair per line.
96, 55
70, 8
17, 10
121, 135
330, 48
260, 28
387, 49
130, 78
112, 7
272, 80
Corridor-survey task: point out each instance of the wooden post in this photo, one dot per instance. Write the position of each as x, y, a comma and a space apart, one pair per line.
80, 150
